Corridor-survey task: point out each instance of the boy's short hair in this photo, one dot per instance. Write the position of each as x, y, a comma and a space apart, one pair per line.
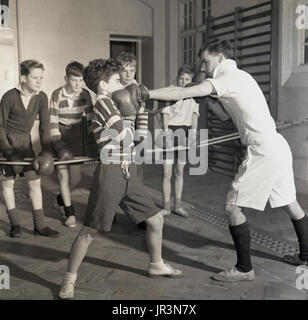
127, 58
74, 69
186, 69
217, 46
98, 70
27, 65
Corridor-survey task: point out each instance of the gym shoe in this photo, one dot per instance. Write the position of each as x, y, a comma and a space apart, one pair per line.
165, 271
70, 222
234, 275
15, 231
67, 290
295, 260
46, 232
181, 212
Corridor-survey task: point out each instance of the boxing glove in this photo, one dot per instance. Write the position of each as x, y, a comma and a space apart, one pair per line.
14, 156
123, 101
63, 153
44, 164
139, 94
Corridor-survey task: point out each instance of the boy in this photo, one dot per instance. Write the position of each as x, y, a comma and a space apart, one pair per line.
268, 160
182, 116
115, 179
18, 110
127, 75
67, 107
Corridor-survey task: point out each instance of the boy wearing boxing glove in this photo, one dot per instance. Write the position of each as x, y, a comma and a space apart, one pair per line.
18, 110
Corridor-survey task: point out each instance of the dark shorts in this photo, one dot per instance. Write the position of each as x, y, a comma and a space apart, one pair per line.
109, 190
177, 156
72, 136
21, 142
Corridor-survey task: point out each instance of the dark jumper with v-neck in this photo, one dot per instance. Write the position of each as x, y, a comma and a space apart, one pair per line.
14, 117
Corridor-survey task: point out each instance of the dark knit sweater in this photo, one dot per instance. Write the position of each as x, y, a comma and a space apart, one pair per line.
15, 118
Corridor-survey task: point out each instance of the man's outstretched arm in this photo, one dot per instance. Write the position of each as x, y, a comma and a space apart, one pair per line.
205, 88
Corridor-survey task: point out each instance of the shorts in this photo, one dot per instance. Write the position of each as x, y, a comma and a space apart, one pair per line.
21, 142
265, 174
72, 136
180, 140
110, 189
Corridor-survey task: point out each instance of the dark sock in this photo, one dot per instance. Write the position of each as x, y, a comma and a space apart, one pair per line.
60, 200
301, 229
241, 239
13, 217
38, 219
69, 211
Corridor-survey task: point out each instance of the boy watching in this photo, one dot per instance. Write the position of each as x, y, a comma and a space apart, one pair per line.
115, 179
18, 110
67, 107
127, 75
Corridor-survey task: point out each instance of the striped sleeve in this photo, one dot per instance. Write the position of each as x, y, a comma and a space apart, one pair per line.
54, 116
106, 116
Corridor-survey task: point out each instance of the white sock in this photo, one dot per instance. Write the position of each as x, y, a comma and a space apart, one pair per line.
159, 264
70, 277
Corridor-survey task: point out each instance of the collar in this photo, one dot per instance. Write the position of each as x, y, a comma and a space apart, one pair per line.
19, 88
72, 95
227, 65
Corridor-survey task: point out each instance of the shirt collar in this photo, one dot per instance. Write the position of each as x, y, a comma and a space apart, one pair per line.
226, 65
19, 88
72, 95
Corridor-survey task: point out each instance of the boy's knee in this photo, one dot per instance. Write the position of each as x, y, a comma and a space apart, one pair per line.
231, 210
34, 184
8, 184
63, 173
86, 234
156, 222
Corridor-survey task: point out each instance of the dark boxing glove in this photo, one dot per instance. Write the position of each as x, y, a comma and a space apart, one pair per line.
14, 156
123, 100
139, 94
44, 164
62, 151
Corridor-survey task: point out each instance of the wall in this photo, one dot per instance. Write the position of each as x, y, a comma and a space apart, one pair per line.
292, 94
9, 53
59, 31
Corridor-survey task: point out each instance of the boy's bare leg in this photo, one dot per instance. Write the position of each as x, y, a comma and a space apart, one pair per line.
63, 175
74, 176
9, 201
78, 252
166, 186
300, 224
178, 185
35, 194
154, 234
8, 193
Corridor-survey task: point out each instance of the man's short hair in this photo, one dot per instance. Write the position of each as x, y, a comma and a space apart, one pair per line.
74, 69
186, 69
98, 70
27, 65
127, 58
217, 46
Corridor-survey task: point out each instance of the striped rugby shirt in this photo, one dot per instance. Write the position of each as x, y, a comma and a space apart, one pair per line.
112, 133
68, 109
